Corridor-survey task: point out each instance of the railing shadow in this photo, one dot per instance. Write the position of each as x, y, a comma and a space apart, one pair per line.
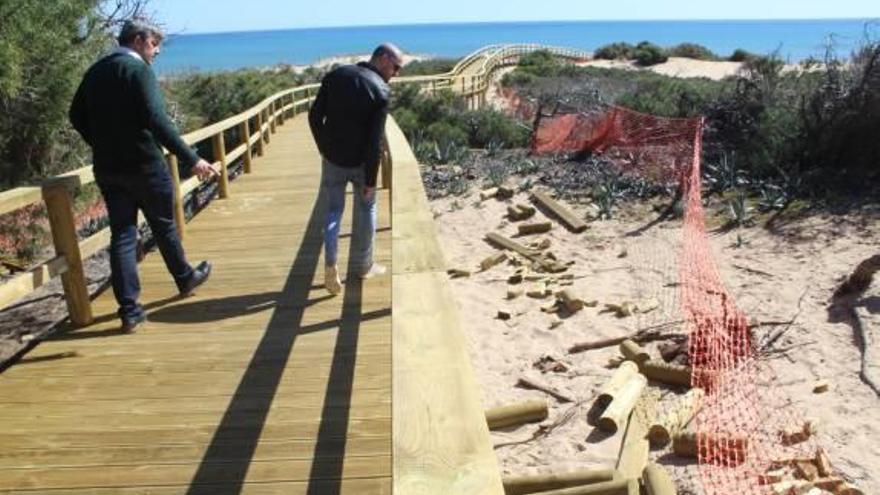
218, 473
325, 477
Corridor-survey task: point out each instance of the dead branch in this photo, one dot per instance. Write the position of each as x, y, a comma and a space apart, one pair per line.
647, 334
544, 431
528, 384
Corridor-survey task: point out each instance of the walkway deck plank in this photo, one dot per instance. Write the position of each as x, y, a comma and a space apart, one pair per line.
258, 384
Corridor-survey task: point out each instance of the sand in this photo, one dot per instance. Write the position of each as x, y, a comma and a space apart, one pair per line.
786, 274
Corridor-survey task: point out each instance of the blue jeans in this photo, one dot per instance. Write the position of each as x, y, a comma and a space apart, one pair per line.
334, 179
152, 193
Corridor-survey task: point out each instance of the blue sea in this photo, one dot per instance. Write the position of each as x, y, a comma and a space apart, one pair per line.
794, 39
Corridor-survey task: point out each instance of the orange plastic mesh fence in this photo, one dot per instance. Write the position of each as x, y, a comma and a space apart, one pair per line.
745, 428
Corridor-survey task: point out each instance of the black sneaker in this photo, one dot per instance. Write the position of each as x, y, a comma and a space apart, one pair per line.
129, 325
200, 275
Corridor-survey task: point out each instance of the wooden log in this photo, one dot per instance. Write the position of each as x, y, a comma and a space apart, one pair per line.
634, 449
618, 379
534, 228
76, 293
572, 221
520, 211
613, 487
727, 447
488, 193
179, 214
671, 374
504, 242
220, 155
516, 414
634, 352
623, 403
520, 485
676, 418
657, 480
493, 260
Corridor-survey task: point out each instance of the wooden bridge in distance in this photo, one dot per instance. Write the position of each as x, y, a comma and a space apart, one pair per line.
261, 383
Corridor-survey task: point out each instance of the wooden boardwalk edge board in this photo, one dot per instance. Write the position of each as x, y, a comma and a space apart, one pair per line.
441, 442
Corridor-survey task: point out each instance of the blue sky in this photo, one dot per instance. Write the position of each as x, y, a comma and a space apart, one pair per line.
202, 16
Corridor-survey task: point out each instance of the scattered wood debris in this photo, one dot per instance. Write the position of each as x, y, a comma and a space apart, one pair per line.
520, 211
572, 221
821, 387
534, 228
493, 260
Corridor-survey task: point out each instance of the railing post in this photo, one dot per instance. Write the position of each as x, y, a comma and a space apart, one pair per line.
268, 121
220, 154
260, 141
244, 130
281, 111
179, 216
272, 117
60, 208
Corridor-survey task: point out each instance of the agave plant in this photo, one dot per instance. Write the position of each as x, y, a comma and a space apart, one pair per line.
739, 210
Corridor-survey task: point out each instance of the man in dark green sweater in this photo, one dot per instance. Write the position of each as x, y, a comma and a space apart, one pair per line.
120, 112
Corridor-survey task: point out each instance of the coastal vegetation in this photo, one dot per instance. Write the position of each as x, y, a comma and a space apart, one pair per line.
647, 53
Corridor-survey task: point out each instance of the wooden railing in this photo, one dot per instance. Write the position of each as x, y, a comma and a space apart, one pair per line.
472, 75
255, 127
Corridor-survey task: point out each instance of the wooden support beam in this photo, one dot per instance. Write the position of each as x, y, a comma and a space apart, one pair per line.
618, 379
220, 155
572, 221
634, 449
76, 293
179, 216
671, 374
614, 487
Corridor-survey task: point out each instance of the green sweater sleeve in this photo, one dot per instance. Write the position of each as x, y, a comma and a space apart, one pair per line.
156, 118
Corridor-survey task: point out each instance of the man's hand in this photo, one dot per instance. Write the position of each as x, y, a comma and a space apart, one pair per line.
204, 170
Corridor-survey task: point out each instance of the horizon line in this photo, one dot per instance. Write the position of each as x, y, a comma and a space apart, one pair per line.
182, 32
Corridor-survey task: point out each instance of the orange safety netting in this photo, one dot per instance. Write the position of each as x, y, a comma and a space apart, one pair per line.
745, 428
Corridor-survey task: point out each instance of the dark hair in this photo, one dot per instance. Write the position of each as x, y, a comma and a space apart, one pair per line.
138, 27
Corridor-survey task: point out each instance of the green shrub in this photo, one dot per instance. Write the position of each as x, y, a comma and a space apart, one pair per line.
740, 55
692, 50
518, 78
615, 51
446, 132
647, 54
488, 126
429, 66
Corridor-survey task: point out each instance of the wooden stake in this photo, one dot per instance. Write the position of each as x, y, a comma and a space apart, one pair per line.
672, 374
634, 449
676, 418
612, 387
634, 352
520, 485
572, 221
516, 414
618, 410
493, 260
657, 480
726, 447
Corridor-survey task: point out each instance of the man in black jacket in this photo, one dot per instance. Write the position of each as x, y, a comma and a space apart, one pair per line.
120, 112
348, 124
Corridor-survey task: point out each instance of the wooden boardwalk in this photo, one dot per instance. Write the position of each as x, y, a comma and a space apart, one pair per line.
260, 383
